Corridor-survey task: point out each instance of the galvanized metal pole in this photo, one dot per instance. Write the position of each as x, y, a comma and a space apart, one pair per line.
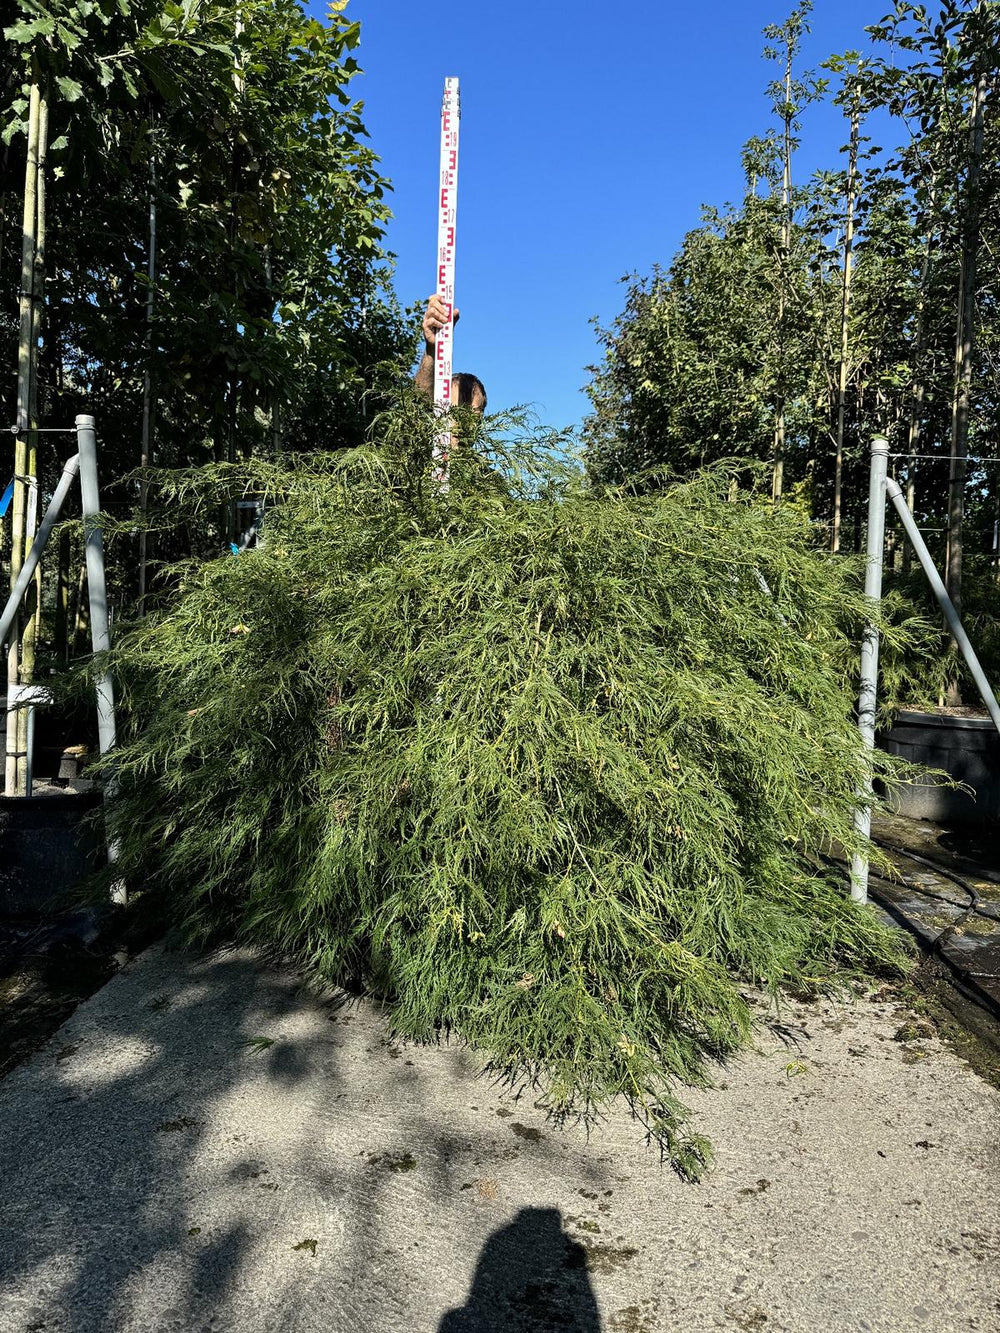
100, 631
947, 605
99, 628
868, 694
69, 474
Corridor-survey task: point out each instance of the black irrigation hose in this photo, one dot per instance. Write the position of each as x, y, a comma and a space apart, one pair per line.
964, 974
974, 896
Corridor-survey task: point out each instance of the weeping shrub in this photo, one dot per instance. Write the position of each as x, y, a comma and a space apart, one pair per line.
553, 771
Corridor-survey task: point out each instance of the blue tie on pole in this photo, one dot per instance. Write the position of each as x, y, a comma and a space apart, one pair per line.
6, 498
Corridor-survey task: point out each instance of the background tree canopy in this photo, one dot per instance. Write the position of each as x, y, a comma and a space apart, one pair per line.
824, 311
220, 143
791, 327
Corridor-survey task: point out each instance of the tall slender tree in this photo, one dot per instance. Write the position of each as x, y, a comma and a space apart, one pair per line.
965, 334
24, 443
789, 95
850, 99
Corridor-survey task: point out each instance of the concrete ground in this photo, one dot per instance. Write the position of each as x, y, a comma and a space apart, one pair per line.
940, 912
204, 1147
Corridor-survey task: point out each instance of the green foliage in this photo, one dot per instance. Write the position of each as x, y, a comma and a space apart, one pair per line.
693, 365
744, 321
549, 769
271, 303
921, 675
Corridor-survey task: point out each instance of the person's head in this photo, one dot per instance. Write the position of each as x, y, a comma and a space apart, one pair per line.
468, 391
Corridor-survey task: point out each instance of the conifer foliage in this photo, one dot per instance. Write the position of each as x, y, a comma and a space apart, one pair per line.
550, 770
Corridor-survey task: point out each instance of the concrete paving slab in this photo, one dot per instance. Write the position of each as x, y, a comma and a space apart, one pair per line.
204, 1147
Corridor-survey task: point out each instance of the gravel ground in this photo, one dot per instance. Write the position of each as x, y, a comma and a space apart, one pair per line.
202, 1146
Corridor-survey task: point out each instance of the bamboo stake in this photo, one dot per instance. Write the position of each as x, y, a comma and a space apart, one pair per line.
30, 639
24, 369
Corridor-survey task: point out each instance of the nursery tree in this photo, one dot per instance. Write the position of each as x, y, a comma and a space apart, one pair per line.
695, 364
844, 300
789, 95
549, 770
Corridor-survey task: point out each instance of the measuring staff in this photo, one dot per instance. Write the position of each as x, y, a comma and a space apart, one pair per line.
434, 375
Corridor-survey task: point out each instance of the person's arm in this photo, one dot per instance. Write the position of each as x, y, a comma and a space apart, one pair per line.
435, 318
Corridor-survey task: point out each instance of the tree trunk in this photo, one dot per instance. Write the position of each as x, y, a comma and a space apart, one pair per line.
917, 384
911, 501
145, 448
275, 395
25, 364
845, 307
964, 348
34, 614
81, 615
778, 481
62, 597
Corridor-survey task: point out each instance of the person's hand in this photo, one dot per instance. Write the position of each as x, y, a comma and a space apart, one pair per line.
435, 318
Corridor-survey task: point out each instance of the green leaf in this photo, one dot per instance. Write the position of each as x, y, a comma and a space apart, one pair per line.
27, 30
162, 78
70, 89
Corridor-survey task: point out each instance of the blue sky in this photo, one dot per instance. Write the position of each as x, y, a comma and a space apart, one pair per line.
591, 135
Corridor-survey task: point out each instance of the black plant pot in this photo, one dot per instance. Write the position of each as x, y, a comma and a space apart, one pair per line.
48, 845
967, 748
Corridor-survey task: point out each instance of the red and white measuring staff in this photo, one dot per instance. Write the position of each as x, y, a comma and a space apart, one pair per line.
447, 214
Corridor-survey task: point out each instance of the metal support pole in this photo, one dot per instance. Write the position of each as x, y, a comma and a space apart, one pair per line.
99, 627
869, 653
947, 605
27, 573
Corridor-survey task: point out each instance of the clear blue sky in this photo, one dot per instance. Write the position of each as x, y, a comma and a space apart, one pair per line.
591, 135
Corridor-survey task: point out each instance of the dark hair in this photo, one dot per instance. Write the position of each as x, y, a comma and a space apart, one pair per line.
468, 386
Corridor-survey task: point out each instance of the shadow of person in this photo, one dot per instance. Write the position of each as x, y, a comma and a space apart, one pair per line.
530, 1275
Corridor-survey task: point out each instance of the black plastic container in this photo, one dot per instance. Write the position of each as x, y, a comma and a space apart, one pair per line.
48, 845
967, 748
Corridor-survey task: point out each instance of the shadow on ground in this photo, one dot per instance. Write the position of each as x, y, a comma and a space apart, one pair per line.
530, 1275
189, 1153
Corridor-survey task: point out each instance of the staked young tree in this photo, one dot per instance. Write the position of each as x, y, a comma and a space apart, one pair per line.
850, 98
789, 96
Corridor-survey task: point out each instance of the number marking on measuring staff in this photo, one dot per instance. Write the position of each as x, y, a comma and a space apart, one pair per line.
447, 214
